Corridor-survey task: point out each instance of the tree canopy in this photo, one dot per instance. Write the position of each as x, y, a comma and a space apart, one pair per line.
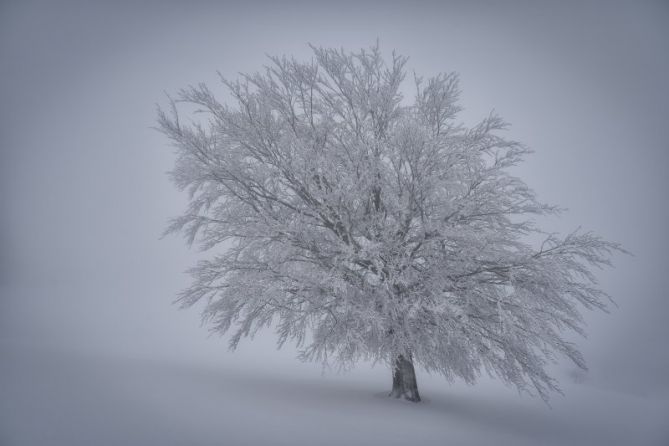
362, 225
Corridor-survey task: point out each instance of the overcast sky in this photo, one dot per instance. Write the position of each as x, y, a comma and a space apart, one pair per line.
84, 195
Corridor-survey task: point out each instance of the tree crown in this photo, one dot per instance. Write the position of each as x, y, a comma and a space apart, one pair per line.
365, 227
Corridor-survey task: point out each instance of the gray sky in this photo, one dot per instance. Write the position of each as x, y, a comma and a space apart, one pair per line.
85, 198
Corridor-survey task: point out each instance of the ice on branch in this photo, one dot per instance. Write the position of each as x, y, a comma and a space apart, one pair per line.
362, 225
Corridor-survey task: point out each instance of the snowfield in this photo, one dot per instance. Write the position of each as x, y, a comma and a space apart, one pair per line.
51, 397
94, 353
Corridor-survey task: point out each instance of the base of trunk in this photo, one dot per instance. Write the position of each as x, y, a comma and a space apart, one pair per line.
404, 380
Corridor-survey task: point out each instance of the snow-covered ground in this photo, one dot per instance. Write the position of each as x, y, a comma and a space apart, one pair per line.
51, 397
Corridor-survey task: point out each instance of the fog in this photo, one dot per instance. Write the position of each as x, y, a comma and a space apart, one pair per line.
87, 283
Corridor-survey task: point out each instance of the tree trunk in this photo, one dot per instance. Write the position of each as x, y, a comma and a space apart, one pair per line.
404, 380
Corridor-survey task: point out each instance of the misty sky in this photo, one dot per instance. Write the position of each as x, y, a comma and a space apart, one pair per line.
84, 195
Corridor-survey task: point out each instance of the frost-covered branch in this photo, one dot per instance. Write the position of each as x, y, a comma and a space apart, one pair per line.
361, 226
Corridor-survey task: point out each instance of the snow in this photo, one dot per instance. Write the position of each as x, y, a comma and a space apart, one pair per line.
56, 397
85, 200
287, 238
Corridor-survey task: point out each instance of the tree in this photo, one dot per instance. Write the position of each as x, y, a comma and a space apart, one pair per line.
361, 226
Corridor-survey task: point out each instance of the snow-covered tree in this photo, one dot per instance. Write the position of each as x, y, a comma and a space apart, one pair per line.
362, 226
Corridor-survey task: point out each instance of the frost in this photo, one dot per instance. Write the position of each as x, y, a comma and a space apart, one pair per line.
372, 229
